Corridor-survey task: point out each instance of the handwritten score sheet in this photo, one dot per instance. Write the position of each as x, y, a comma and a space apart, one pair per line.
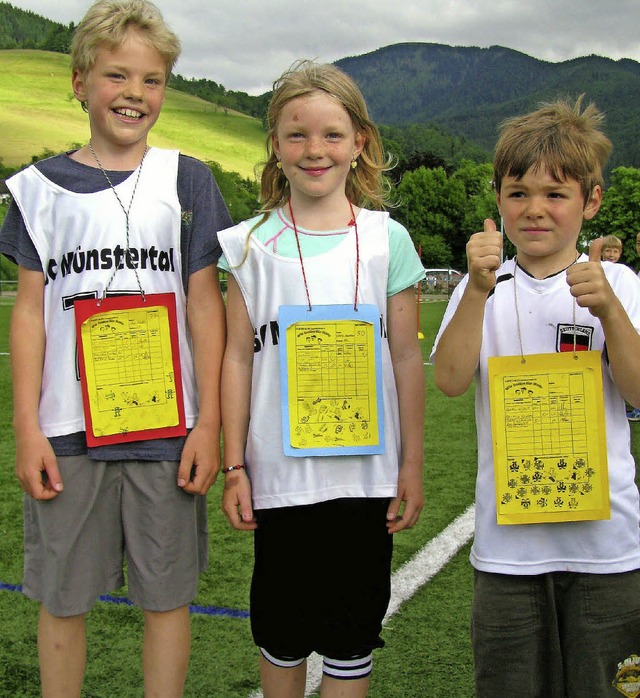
331, 380
550, 454
130, 369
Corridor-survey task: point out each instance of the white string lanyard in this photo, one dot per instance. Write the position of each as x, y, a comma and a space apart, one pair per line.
126, 212
515, 300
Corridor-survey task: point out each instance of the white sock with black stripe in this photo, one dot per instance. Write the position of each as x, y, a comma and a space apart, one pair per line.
348, 669
282, 662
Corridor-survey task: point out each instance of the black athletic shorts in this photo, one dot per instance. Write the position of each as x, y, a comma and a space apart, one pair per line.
322, 578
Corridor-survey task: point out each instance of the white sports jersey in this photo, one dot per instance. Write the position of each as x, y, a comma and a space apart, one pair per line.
81, 241
267, 281
546, 317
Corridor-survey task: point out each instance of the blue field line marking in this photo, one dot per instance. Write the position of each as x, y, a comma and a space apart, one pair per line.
123, 601
216, 611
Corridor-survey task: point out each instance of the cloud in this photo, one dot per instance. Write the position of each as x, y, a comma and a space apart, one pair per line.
246, 44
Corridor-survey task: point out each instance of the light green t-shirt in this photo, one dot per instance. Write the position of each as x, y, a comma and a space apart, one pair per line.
276, 233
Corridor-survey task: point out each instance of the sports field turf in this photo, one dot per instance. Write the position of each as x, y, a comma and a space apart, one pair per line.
427, 654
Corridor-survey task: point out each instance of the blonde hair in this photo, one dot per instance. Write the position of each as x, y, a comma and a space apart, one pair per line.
559, 136
365, 185
106, 24
611, 241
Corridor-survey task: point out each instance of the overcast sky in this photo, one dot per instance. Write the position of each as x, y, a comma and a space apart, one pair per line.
246, 44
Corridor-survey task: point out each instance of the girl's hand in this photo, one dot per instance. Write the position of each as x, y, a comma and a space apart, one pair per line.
410, 491
236, 501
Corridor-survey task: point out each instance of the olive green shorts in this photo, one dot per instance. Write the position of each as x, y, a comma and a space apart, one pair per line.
557, 635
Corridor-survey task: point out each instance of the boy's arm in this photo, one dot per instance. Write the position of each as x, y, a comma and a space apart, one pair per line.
408, 370
458, 351
237, 371
200, 460
36, 464
592, 290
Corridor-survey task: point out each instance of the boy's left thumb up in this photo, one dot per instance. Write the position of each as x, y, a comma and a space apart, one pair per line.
595, 250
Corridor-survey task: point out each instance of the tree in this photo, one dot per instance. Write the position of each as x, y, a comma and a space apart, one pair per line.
59, 38
239, 194
481, 199
477, 178
619, 214
432, 204
417, 160
436, 252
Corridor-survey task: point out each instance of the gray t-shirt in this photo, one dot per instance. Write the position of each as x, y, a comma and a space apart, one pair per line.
203, 214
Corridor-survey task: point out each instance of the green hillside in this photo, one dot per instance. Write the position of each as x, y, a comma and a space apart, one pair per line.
38, 112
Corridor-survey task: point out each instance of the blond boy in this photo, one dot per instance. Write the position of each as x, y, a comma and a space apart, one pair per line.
611, 248
114, 217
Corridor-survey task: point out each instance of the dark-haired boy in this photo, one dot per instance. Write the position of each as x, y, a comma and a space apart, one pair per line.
556, 608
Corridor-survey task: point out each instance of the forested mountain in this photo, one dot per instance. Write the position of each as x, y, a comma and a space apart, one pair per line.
25, 29
468, 91
213, 92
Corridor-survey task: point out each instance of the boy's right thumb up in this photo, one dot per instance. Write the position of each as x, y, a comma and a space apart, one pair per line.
489, 225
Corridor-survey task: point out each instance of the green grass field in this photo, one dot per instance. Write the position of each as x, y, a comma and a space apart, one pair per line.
38, 112
428, 652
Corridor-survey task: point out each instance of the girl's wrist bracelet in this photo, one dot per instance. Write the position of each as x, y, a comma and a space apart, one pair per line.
234, 467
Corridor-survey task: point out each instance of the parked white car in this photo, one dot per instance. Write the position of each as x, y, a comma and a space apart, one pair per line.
442, 279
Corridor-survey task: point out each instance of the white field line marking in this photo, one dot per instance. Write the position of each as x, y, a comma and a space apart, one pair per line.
415, 573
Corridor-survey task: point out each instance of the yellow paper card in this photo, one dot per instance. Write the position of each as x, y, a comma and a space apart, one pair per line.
130, 369
332, 394
549, 441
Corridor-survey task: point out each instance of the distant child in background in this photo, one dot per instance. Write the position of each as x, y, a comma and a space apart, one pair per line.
611, 252
611, 248
111, 218
556, 607
321, 579
633, 413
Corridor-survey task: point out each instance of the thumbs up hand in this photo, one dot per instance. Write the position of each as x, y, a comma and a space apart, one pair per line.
589, 285
483, 256
595, 250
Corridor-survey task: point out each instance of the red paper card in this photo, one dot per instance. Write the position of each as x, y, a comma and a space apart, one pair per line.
129, 360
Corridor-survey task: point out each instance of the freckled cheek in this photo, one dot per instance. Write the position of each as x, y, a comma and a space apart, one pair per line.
290, 154
341, 153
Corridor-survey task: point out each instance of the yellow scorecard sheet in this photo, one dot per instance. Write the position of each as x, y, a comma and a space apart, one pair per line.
129, 367
331, 380
549, 441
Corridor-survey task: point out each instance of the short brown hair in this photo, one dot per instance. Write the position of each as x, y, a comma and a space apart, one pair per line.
106, 24
559, 136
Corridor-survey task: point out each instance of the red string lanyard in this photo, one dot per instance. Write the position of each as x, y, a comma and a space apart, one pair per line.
353, 223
